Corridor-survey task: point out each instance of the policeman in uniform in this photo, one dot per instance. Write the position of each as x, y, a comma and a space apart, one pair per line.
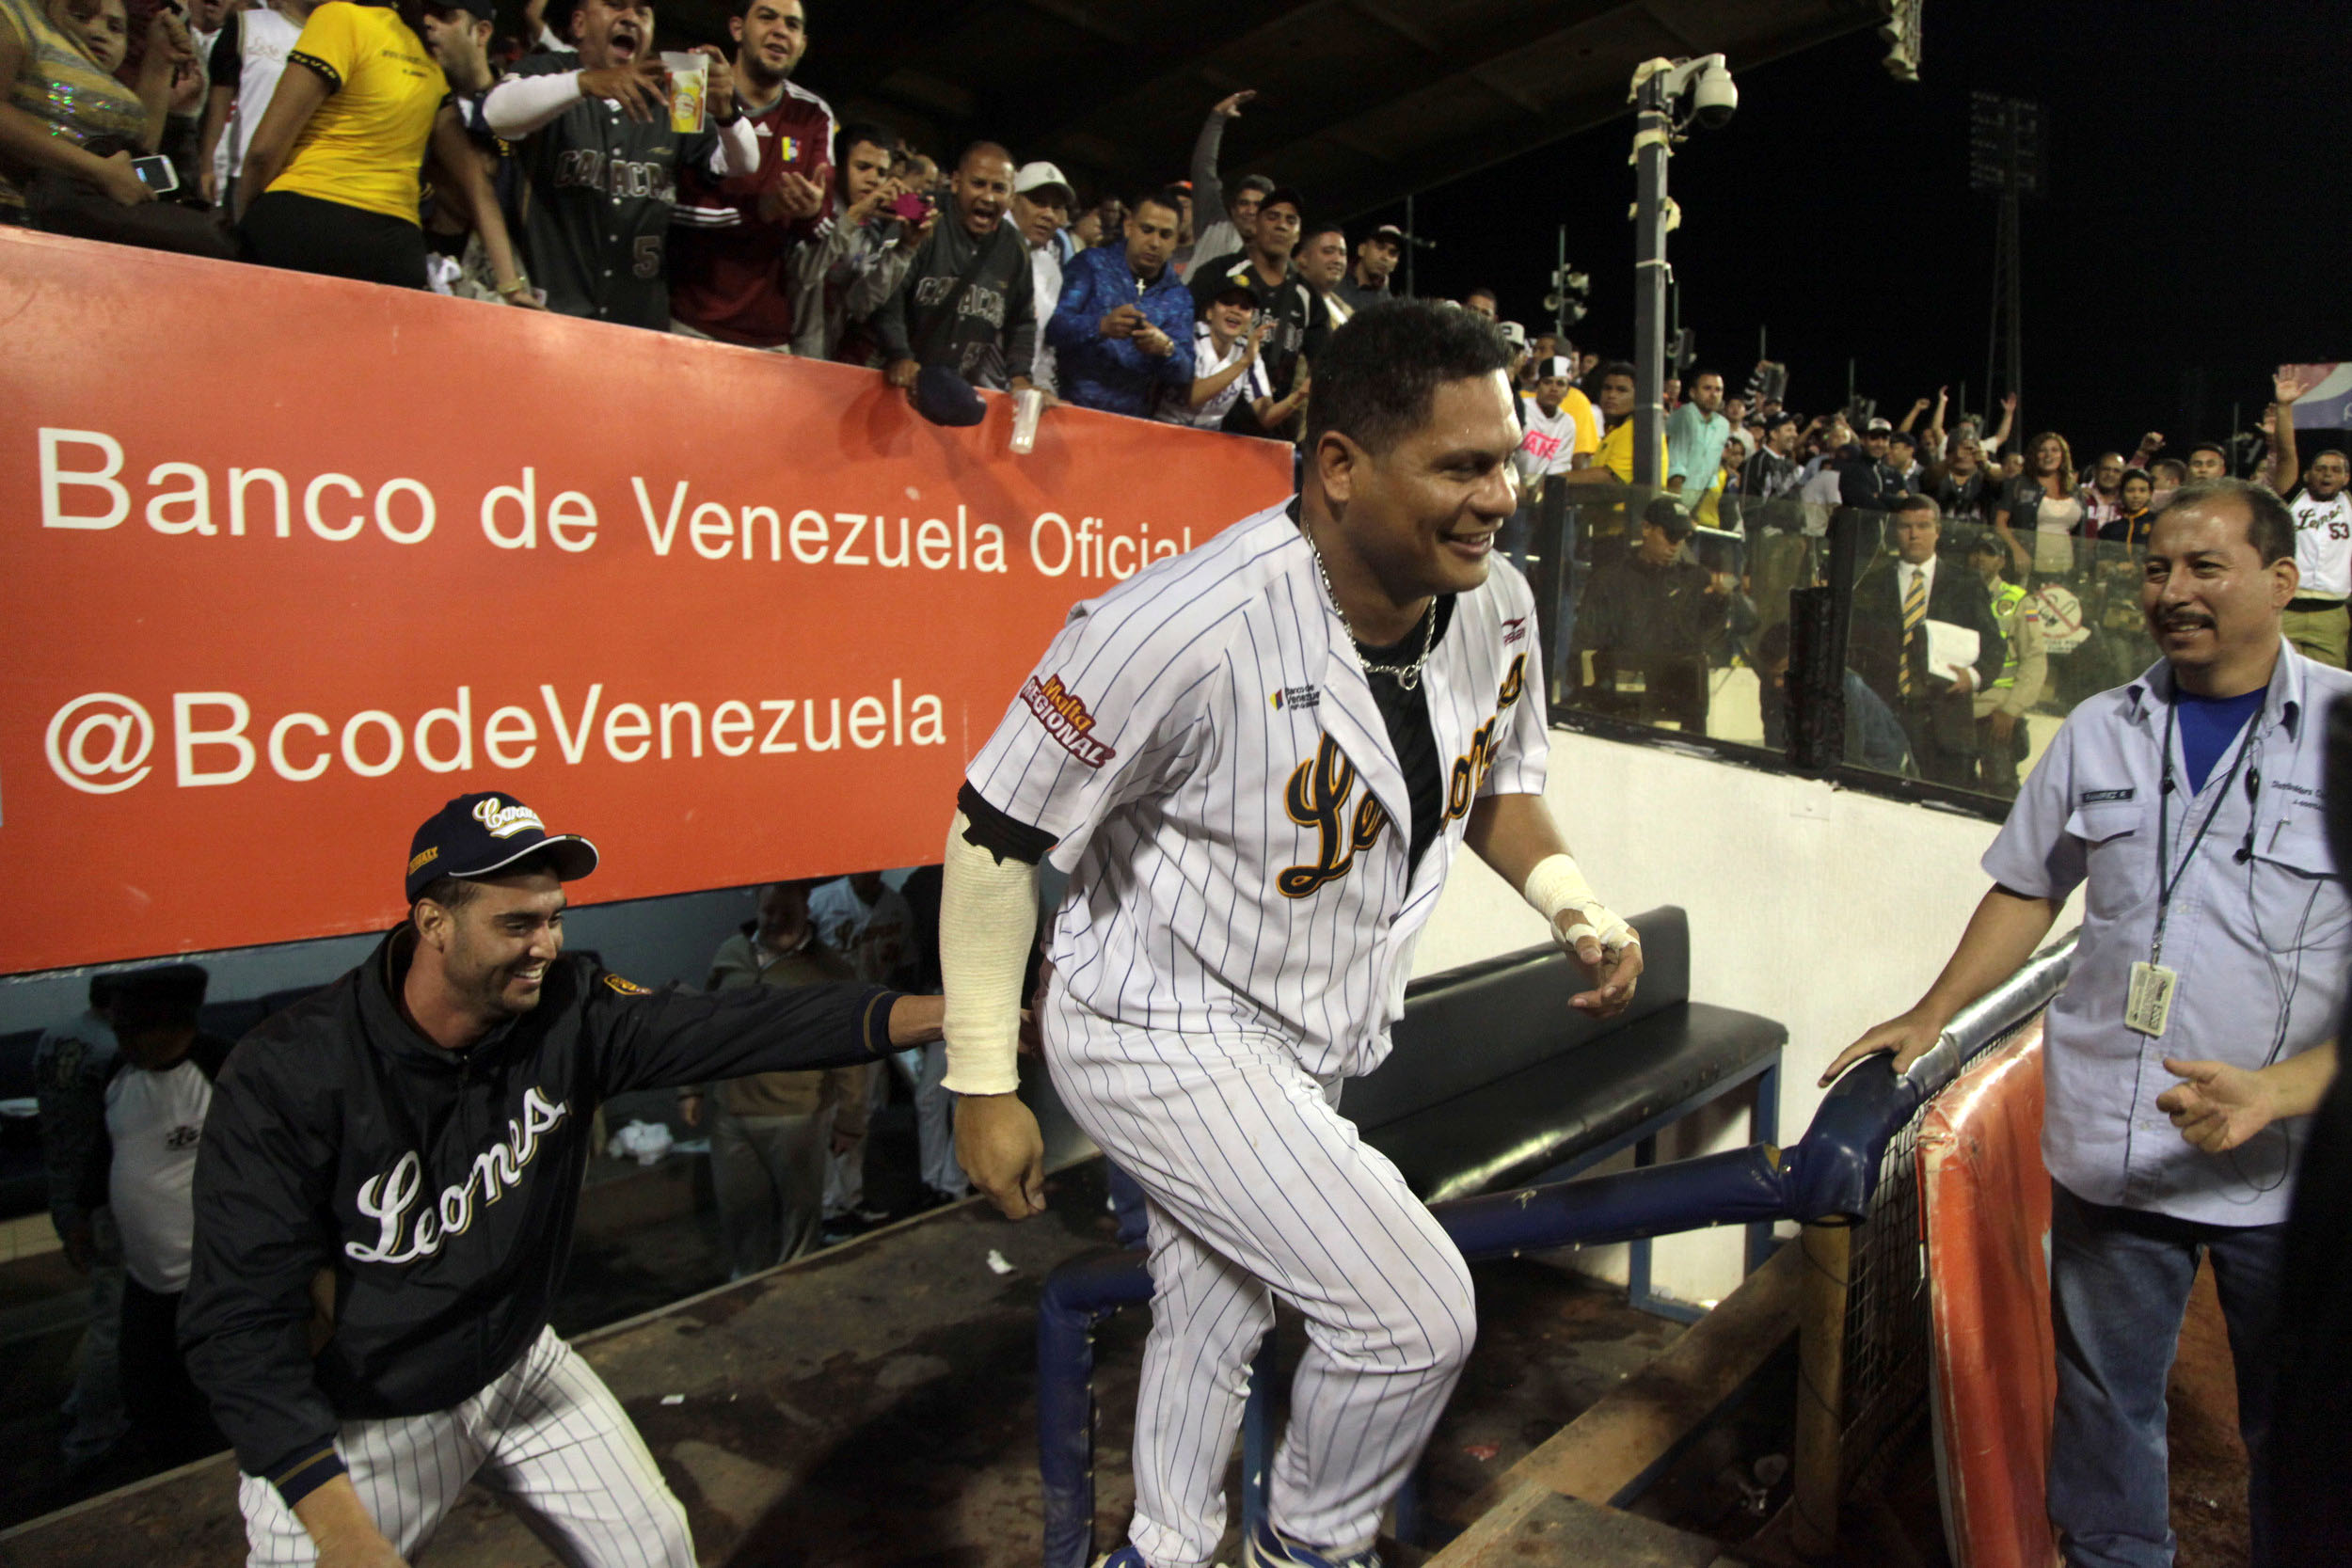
2002, 708
2211, 972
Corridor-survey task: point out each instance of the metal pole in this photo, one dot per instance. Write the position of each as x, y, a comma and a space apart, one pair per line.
1993, 321
2016, 311
1411, 236
1560, 287
1649, 284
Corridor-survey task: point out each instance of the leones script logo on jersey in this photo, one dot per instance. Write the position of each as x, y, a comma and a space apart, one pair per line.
388, 1198
1317, 796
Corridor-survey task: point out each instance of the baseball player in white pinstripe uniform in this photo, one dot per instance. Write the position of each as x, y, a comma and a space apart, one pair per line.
1257, 761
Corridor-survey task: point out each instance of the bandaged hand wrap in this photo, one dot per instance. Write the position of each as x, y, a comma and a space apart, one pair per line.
987, 924
1561, 894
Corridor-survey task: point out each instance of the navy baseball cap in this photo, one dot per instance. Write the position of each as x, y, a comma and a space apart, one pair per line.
946, 398
475, 835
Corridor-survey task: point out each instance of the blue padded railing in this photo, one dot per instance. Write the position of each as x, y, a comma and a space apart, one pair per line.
1826, 1177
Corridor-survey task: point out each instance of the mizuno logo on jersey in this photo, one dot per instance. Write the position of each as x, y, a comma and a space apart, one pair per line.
1317, 796
1295, 697
388, 1198
1066, 719
1513, 630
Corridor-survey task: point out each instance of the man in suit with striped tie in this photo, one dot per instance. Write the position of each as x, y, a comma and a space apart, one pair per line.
1887, 645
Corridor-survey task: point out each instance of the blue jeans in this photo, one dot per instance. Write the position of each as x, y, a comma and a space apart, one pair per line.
2118, 1290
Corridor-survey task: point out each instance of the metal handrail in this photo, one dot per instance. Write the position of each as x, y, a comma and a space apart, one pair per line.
1995, 1014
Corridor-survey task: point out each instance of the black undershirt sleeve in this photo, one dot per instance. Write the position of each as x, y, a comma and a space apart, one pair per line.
1003, 837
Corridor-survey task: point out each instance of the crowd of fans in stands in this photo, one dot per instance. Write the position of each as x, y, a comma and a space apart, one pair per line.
406, 144
2034, 556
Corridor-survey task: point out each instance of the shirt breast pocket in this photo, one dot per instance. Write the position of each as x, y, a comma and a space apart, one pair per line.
2297, 901
2118, 856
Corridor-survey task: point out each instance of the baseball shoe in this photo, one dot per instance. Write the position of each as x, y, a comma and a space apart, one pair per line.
1267, 1549
1126, 1557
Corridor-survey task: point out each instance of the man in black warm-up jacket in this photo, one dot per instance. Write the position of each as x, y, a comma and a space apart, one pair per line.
385, 1196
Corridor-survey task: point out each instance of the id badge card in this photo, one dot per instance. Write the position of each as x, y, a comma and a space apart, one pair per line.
2149, 1006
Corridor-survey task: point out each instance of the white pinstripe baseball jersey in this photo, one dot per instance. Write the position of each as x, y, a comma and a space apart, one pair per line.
1205, 749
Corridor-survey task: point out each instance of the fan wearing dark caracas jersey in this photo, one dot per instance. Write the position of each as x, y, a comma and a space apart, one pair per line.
1257, 762
385, 1195
600, 164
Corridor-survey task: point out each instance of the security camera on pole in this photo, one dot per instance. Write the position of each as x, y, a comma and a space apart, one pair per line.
1669, 96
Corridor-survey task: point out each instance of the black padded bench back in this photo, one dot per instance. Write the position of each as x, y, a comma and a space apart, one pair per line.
16, 1063
1467, 1027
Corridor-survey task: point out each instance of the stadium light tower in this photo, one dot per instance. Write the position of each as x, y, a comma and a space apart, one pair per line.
1669, 98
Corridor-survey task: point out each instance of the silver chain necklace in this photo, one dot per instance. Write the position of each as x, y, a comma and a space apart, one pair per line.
1408, 676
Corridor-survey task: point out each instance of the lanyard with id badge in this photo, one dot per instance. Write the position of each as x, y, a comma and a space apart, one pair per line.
2148, 1004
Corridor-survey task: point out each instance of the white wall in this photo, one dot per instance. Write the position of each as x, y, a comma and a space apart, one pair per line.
1826, 908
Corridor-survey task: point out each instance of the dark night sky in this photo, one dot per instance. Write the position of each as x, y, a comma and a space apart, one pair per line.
2196, 220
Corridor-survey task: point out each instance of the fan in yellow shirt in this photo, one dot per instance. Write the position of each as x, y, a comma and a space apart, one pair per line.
337, 156
1614, 459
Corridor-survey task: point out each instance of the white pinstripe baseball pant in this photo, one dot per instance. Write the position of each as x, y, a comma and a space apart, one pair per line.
1256, 1189
548, 1435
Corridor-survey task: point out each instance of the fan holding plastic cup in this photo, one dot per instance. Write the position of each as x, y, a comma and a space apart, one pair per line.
597, 142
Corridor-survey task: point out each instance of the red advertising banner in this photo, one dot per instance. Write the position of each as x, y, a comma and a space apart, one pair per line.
290, 560
1984, 1196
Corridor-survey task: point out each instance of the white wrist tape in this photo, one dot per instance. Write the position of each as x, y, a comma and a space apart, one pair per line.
987, 925
1561, 894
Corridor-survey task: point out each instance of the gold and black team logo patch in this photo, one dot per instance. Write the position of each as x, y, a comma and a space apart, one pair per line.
1317, 796
627, 987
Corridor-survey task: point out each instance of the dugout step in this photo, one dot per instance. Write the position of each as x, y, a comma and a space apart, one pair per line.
1569, 1532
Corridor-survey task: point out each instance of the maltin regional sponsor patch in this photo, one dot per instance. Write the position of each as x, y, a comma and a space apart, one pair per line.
1066, 719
